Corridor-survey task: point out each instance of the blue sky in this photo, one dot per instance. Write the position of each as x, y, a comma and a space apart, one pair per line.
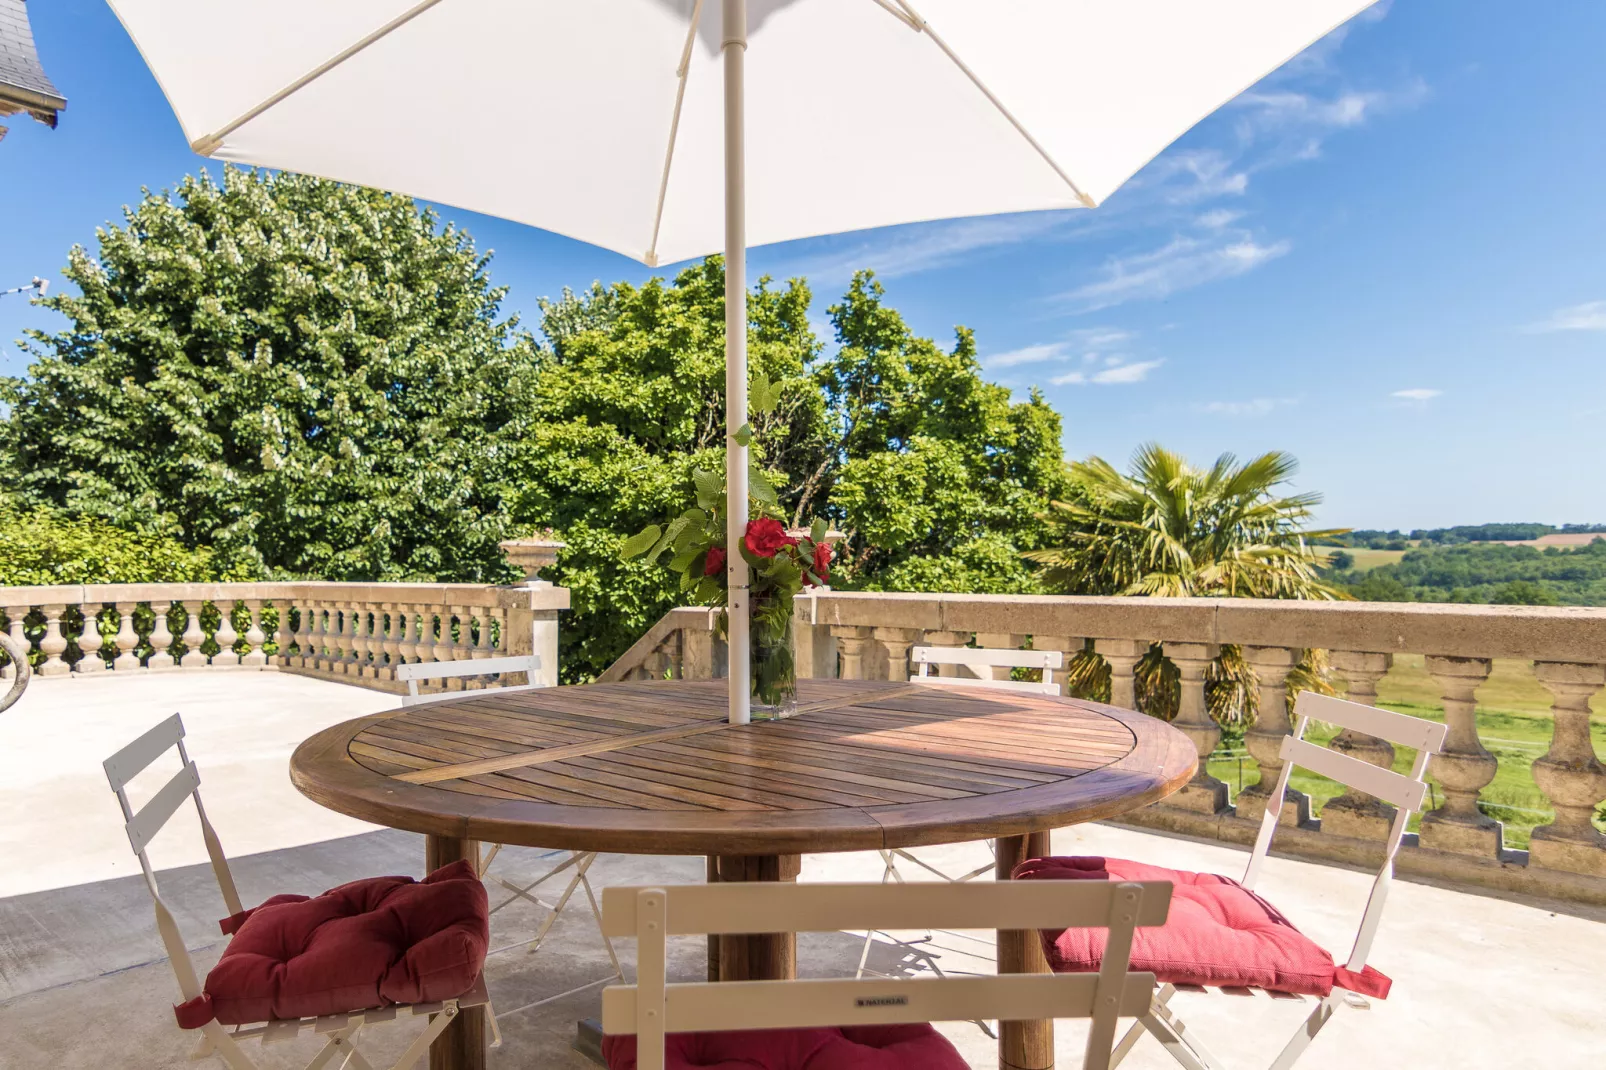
1389, 258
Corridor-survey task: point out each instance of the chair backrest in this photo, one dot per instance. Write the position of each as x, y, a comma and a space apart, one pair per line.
1406, 793
923, 657
143, 826
412, 673
651, 1007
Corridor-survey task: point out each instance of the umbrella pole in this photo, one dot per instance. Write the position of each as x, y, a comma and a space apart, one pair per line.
734, 48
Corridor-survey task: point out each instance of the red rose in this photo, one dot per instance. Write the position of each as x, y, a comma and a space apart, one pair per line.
765, 537
822, 560
716, 561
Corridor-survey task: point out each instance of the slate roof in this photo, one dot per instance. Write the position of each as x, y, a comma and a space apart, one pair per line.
24, 86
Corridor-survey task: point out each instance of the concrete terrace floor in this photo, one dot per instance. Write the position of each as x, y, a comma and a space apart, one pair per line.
1479, 981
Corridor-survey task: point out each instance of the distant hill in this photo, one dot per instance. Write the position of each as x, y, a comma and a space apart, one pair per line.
1486, 572
1512, 533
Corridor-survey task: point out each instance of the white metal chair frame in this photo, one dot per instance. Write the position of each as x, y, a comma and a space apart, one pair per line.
923, 658
579, 861
216, 1039
1404, 792
651, 1007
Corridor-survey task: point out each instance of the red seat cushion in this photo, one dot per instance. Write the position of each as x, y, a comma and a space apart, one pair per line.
869, 1047
366, 944
1218, 933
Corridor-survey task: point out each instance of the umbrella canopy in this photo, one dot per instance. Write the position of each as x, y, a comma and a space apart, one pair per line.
620, 122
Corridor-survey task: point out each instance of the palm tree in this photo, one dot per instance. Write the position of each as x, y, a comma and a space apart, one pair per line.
1168, 529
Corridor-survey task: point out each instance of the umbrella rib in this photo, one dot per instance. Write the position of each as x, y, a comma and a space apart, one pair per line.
651, 259
913, 19
209, 144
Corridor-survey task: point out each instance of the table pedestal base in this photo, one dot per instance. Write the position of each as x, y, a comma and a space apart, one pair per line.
1022, 1045
462, 1045
754, 956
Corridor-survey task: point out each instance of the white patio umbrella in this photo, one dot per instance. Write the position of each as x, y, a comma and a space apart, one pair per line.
622, 122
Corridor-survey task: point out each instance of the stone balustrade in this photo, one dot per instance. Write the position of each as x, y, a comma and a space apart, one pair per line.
354, 632
868, 636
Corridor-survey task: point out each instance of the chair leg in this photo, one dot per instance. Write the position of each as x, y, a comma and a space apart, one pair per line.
1170, 1031
1307, 1032
437, 1025
525, 891
1135, 1034
338, 1044
596, 912
496, 1030
227, 1048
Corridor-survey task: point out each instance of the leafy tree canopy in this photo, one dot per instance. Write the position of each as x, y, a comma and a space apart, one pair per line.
1488, 573
40, 548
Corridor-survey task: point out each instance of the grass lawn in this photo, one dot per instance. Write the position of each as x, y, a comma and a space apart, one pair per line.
1513, 722
1366, 560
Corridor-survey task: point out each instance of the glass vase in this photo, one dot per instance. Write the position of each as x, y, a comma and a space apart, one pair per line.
774, 673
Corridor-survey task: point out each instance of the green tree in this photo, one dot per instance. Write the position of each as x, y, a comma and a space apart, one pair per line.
310, 375
1169, 529
939, 476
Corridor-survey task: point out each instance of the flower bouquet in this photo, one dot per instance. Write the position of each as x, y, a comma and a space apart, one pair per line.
782, 563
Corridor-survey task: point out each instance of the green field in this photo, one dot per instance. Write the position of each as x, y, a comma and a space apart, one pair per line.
1513, 722
1366, 560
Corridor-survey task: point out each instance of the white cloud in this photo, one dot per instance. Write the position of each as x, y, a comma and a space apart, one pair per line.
1110, 376
1252, 407
1035, 354
910, 249
1589, 316
1418, 393
1217, 218
1181, 264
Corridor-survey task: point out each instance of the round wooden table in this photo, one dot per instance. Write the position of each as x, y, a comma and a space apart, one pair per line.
653, 767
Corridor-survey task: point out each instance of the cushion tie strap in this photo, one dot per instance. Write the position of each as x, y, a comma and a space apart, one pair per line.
231, 924
1368, 982
194, 1013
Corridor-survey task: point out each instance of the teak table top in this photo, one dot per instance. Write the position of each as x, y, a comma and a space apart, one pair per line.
653, 767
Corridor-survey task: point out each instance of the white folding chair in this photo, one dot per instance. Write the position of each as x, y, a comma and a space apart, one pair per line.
652, 1007
1405, 792
922, 658
576, 863
341, 1030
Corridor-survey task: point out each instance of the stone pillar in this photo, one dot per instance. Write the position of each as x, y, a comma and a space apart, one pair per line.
1068, 645
1355, 813
1463, 768
851, 640
89, 642
194, 657
1272, 664
161, 638
1123, 656
127, 638
1204, 792
1570, 775
255, 657
813, 649
226, 636
15, 615
947, 639
54, 644
896, 642
697, 657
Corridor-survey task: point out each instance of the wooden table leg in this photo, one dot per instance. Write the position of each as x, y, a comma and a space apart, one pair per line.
754, 956
1022, 1045
462, 1045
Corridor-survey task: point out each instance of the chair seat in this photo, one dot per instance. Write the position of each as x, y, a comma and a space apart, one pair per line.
371, 943
1219, 933
876, 1047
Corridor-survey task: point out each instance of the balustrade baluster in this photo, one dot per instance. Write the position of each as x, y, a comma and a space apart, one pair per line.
896, 643
54, 644
342, 652
193, 657
288, 634
851, 640
1464, 766
1264, 739
225, 636
1204, 792
391, 646
1122, 655
313, 626
1570, 775
1069, 646
127, 638
89, 642
161, 638
1355, 813
14, 618
462, 643
947, 639
407, 649
255, 638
